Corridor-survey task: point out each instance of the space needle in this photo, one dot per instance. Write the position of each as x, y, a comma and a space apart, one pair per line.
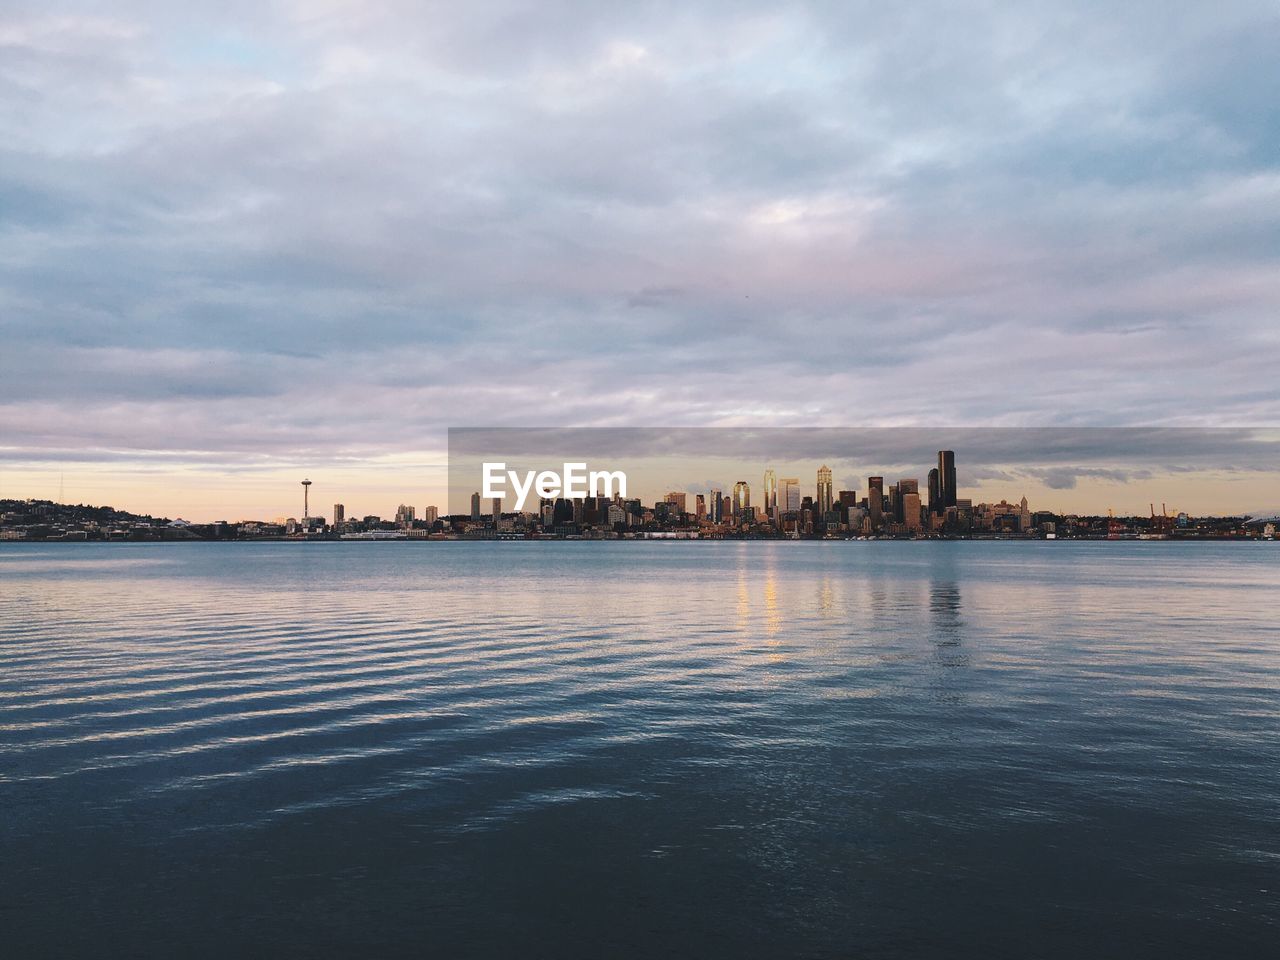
306, 506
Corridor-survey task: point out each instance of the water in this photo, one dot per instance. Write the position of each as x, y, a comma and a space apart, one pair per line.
650, 750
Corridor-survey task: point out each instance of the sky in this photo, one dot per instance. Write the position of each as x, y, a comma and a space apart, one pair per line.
243, 243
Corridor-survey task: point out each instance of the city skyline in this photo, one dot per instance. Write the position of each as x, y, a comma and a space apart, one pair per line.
775, 497
276, 243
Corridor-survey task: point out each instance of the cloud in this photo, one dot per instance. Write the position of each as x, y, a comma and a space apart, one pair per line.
321, 230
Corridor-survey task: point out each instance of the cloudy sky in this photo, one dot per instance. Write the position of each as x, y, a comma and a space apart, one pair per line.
244, 242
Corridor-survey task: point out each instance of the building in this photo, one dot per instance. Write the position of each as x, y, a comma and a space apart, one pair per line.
823, 503
678, 500
431, 514
947, 478
404, 516
910, 510
935, 495
901, 489
790, 500
875, 502
771, 494
475, 505
339, 514
700, 507
741, 498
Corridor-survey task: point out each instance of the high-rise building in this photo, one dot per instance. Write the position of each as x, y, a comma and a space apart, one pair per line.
848, 497
562, 512
875, 502
404, 516
717, 506
911, 510
339, 514
497, 510
700, 506
678, 500
771, 494
741, 498
475, 505
904, 487
431, 514
823, 502
947, 477
789, 502
935, 495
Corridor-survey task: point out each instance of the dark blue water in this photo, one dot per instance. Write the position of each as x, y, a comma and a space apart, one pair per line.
649, 750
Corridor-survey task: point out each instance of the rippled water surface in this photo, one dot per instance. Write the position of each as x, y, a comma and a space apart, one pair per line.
629, 749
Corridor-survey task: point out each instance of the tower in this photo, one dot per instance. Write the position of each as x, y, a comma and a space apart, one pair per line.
306, 501
824, 490
947, 478
771, 494
875, 501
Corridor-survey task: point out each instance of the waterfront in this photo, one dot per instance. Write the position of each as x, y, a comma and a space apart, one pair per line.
731, 749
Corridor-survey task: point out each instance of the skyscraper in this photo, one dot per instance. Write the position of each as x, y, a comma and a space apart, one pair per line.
741, 498
875, 502
790, 501
824, 491
475, 505
947, 478
911, 510
905, 487
339, 514
935, 496
771, 494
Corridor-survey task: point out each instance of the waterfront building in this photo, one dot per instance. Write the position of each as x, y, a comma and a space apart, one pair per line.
875, 502
911, 511
771, 494
790, 499
824, 490
947, 477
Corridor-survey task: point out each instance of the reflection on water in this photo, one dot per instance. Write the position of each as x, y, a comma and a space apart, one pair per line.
737, 750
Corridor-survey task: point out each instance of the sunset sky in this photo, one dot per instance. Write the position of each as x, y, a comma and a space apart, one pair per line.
244, 243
